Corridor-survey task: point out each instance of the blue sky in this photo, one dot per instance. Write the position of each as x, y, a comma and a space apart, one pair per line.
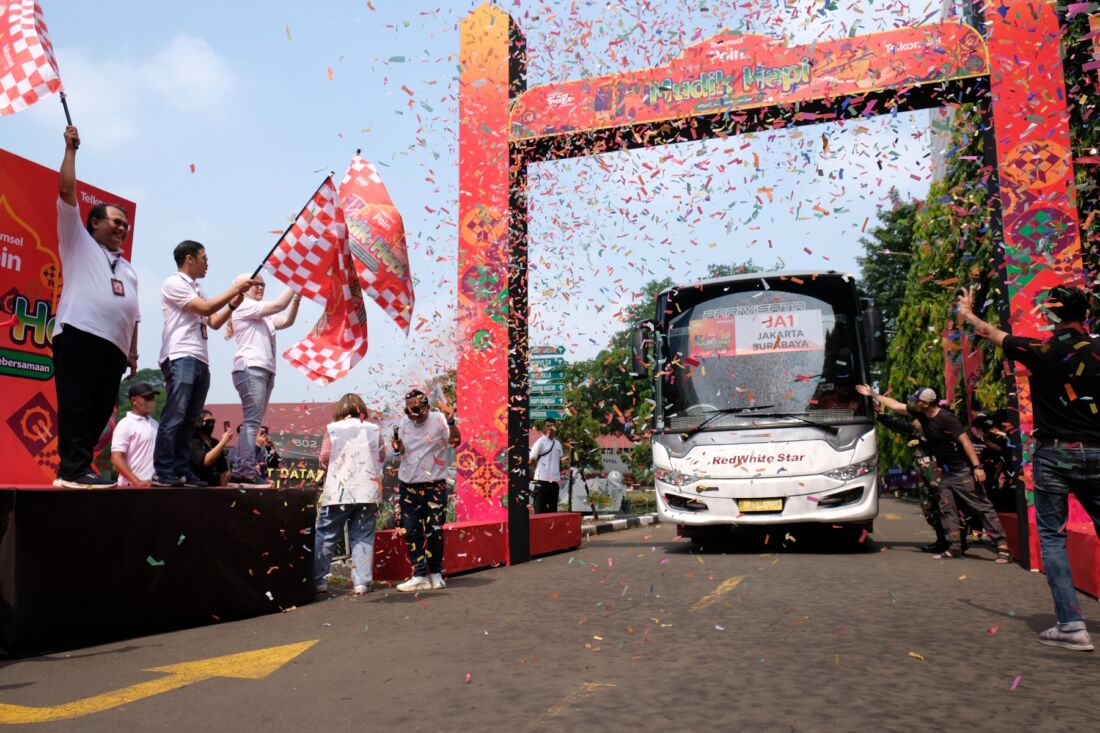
243, 91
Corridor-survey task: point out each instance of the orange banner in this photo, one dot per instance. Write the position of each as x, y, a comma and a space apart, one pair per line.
738, 72
30, 286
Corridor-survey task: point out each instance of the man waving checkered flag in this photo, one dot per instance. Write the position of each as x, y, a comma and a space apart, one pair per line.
28, 70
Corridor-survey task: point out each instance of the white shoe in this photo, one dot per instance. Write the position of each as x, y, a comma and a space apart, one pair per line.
415, 583
362, 590
322, 587
436, 579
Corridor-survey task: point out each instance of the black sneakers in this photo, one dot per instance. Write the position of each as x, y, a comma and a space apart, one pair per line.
173, 481
86, 481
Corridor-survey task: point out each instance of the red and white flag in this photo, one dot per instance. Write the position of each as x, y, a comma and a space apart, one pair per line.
314, 259
376, 235
339, 340
28, 70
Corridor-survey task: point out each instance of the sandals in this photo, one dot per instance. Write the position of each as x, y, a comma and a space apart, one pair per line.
1004, 555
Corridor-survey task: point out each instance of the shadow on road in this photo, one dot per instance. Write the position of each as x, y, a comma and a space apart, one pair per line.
797, 539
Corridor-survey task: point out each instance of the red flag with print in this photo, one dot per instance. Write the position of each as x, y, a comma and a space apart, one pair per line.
304, 256
376, 236
28, 69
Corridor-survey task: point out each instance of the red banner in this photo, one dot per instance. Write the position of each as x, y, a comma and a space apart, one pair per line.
731, 72
30, 286
376, 236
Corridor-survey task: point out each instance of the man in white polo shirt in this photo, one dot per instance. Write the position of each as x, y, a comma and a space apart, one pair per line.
184, 361
95, 328
253, 324
134, 437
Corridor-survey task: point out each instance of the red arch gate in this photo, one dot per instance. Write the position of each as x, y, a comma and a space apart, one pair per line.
725, 86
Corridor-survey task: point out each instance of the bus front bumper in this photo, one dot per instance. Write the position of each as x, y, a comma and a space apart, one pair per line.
769, 501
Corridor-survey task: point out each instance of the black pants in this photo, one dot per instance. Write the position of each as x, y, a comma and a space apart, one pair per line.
546, 497
423, 511
87, 372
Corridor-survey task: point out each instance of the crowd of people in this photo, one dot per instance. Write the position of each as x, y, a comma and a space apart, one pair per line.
95, 340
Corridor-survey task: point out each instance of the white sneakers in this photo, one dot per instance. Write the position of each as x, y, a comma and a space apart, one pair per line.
436, 579
362, 590
414, 584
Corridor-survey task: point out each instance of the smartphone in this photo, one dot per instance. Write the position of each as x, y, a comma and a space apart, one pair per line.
226, 426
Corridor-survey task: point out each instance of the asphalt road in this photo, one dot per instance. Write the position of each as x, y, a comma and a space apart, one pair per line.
636, 630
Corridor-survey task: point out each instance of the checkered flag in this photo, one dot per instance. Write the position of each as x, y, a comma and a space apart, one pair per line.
28, 69
339, 340
305, 255
376, 235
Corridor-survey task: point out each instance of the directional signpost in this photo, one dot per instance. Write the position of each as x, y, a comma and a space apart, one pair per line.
547, 400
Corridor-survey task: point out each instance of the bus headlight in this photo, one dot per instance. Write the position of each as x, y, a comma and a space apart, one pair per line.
847, 473
673, 477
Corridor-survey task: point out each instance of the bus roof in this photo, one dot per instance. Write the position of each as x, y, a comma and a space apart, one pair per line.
807, 274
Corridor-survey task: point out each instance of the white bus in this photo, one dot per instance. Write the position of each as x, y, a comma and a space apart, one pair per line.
757, 421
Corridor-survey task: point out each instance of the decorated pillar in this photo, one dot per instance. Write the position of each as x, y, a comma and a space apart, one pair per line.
1041, 235
490, 260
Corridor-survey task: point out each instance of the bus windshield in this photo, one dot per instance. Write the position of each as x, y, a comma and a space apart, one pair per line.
773, 351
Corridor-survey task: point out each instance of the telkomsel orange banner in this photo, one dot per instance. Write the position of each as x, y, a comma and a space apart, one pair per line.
30, 286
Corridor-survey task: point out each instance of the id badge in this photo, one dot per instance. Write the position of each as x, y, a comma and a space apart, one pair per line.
117, 287
202, 329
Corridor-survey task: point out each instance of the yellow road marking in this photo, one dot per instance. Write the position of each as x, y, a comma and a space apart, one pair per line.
587, 689
254, 665
724, 587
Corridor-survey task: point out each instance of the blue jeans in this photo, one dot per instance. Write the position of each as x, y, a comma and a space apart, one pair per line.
254, 385
186, 382
1058, 471
423, 512
359, 519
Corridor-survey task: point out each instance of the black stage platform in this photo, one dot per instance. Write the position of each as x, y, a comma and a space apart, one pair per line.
80, 567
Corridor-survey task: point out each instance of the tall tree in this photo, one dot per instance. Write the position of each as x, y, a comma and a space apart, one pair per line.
888, 255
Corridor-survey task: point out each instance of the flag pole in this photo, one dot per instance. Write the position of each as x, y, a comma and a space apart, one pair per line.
68, 117
287, 230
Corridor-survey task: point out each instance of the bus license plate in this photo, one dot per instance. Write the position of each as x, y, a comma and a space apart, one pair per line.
760, 505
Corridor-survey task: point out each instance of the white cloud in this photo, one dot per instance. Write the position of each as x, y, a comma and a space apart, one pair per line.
114, 100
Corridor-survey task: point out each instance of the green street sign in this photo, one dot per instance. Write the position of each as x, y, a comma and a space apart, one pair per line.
549, 361
547, 413
539, 350
546, 400
549, 388
556, 374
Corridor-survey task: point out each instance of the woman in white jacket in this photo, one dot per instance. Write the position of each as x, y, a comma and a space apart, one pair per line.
352, 452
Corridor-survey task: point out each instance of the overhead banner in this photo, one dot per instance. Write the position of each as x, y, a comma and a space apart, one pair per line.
30, 286
732, 72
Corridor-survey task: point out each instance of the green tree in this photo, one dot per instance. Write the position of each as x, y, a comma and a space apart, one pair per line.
888, 256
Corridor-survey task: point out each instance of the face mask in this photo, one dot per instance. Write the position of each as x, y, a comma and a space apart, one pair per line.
413, 411
207, 426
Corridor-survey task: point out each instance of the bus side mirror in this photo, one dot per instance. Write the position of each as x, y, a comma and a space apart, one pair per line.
640, 339
874, 333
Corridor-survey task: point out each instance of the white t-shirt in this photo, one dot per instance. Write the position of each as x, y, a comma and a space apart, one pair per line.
425, 456
354, 474
134, 437
255, 335
184, 332
88, 301
548, 453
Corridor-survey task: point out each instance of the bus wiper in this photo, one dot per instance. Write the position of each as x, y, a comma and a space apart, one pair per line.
715, 414
830, 429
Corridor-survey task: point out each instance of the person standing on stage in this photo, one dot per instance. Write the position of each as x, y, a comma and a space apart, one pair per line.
134, 436
253, 325
184, 361
421, 445
1065, 381
96, 325
545, 464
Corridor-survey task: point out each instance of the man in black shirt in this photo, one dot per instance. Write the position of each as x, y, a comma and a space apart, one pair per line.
1065, 382
962, 474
